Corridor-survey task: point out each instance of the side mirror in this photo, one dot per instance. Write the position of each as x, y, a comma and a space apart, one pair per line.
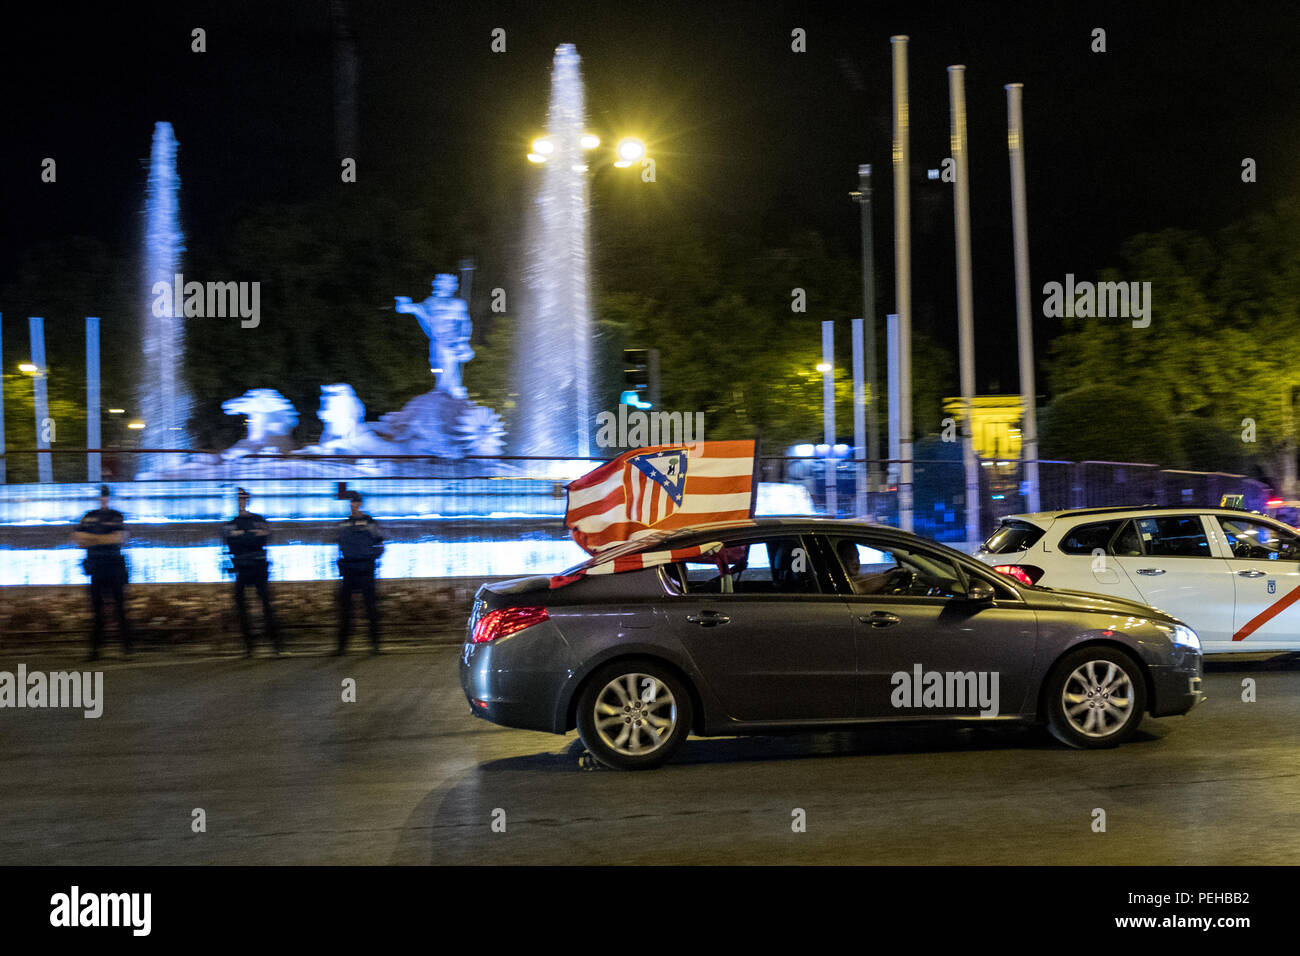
980, 592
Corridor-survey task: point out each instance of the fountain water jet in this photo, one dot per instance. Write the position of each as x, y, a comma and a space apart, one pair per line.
162, 397
555, 344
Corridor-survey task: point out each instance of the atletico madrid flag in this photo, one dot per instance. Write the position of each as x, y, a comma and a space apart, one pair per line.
661, 488
635, 562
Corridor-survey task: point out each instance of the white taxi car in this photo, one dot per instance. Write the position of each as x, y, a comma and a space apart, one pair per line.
1233, 576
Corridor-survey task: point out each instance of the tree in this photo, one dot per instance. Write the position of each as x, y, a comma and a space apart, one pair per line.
1215, 355
1110, 423
732, 346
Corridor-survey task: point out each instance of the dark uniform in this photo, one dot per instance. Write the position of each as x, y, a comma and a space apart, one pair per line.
246, 538
360, 545
107, 569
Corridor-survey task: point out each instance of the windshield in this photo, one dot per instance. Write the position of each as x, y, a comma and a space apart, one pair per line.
1012, 536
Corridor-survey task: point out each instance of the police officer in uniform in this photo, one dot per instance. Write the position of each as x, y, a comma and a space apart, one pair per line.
246, 536
360, 545
102, 533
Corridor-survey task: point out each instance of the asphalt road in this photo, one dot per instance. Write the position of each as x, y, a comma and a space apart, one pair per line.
288, 773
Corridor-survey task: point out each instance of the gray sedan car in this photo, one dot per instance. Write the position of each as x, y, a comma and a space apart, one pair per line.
771, 625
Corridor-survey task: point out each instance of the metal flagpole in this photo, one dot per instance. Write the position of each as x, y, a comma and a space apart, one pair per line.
1020, 229
965, 300
863, 198
903, 279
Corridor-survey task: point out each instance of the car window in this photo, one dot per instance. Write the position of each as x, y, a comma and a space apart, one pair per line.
1088, 537
1177, 536
1128, 543
780, 565
898, 571
1258, 540
1012, 536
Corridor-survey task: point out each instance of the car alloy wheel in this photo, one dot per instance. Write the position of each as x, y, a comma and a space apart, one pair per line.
634, 715
1095, 697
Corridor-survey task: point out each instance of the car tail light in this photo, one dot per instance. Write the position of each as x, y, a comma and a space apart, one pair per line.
506, 621
1024, 573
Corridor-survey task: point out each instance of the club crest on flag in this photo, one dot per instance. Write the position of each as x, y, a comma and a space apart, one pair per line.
654, 484
666, 468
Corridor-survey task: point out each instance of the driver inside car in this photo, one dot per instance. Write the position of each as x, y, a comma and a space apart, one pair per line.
893, 581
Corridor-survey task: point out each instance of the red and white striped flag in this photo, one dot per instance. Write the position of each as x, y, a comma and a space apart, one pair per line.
636, 562
661, 488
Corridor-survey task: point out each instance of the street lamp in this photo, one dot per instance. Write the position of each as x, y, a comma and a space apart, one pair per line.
629, 150
543, 149
27, 368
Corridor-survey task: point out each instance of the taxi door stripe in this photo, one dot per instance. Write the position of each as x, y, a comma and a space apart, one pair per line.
1266, 615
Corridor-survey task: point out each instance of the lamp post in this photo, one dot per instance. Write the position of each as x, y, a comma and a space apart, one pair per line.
872, 452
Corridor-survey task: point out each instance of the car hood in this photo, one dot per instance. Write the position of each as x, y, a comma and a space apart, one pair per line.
1084, 601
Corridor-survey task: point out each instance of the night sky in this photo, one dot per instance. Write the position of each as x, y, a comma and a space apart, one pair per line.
749, 137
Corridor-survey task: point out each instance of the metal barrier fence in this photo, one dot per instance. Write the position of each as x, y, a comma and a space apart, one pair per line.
939, 489
494, 498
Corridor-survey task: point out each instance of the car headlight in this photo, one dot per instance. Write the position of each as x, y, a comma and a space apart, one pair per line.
1181, 634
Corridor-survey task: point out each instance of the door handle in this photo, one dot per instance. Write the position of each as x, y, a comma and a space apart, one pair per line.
880, 619
1251, 573
708, 619
1151, 571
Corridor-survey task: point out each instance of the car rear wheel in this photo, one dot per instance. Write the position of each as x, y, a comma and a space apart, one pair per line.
1096, 697
634, 715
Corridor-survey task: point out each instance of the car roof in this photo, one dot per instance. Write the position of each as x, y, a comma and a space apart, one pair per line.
680, 536
1043, 518
808, 524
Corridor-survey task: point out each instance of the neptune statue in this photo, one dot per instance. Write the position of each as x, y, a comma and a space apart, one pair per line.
445, 320
441, 423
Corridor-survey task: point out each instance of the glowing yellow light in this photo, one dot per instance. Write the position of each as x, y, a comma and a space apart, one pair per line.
136, 425
536, 158
117, 411
590, 141
630, 149
543, 147
27, 367
823, 366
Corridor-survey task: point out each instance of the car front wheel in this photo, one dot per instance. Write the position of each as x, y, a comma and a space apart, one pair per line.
1096, 697
634, 715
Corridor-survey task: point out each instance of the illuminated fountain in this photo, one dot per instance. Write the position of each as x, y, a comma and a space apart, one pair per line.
555, 354
456, 508
162, 397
